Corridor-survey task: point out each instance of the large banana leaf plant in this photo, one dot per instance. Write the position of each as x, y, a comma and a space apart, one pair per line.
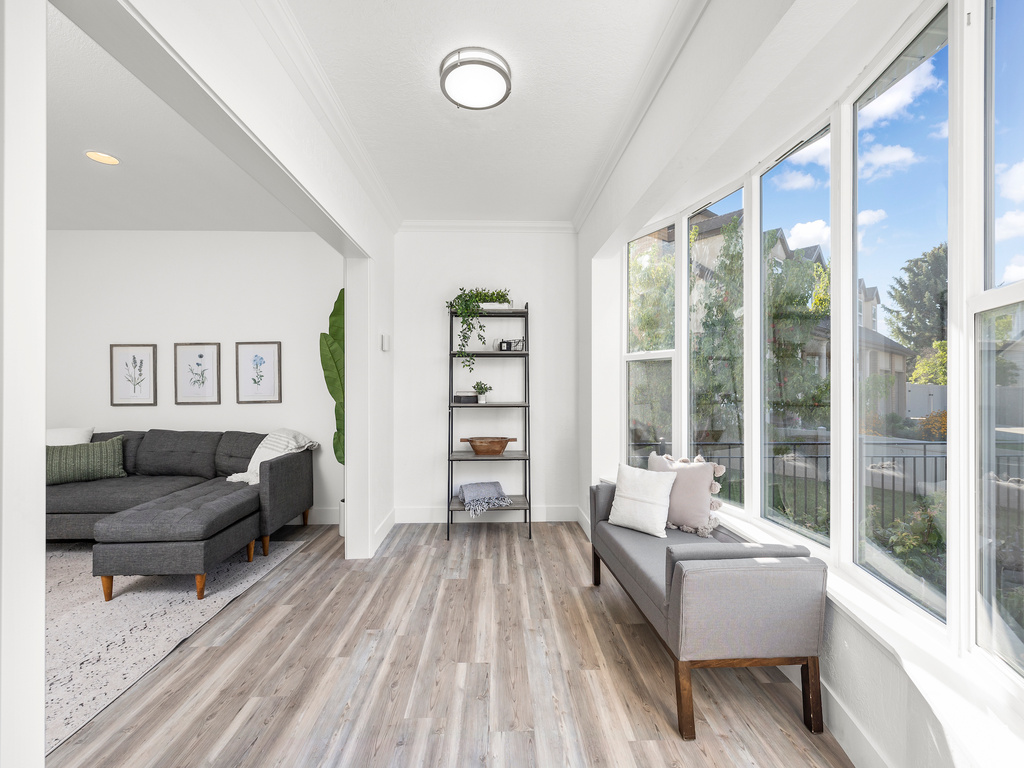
332, 358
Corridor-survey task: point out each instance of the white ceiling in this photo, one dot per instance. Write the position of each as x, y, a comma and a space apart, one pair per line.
576, 69
170, 176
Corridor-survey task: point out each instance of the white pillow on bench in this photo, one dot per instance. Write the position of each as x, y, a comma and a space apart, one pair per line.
641, 500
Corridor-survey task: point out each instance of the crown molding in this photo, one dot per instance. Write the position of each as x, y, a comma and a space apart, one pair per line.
674, 37
513, 227
281, 29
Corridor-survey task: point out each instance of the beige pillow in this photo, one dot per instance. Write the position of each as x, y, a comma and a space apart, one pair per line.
690, 504
641, 500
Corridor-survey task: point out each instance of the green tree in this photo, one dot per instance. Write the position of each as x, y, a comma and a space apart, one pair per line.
931, 369
917, 318
821, 301
651, 277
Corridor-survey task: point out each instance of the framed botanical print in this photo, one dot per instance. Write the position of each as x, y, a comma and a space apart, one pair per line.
133, 374
258, 371
197, 374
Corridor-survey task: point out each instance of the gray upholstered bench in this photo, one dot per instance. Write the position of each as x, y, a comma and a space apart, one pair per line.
187, 531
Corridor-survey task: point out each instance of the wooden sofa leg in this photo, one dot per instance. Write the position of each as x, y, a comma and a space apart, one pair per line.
305, 517
250, 548
200, 586
266, 545
810, 679
684, 700
597, 566
108, 588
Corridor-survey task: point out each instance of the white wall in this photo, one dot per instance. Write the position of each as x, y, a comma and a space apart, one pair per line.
171, 287
536, 267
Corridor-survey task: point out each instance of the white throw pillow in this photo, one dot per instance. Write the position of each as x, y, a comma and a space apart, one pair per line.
641, 500
69, 435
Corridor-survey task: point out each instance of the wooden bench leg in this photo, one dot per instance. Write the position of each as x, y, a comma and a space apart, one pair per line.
250, 548
266, 545
810, 679
108, 588
305, 517
200, 586
684, 700
597, 566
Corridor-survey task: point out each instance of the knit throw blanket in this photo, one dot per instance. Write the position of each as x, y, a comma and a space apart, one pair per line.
479, 497
277, 443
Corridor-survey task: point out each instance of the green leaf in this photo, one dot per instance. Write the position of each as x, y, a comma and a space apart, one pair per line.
336, 324
332, 358
339, 446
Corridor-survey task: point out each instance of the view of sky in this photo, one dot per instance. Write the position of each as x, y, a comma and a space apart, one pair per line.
1008, 144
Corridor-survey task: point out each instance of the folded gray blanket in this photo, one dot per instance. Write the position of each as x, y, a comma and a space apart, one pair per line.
479, 497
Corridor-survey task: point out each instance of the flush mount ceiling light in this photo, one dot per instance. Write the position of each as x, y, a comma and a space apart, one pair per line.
102, 157
475, 78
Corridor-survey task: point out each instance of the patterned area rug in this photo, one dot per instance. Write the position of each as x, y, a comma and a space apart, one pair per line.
96, 650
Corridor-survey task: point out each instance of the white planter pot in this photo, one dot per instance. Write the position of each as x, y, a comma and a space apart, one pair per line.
481, 398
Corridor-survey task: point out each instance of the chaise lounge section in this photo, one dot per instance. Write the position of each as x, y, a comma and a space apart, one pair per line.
718, 602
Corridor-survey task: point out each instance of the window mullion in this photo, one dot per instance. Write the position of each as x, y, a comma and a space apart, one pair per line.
753, 417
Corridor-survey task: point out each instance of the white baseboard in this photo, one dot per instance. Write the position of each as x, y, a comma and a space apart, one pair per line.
583, 518
382, 530
541, 514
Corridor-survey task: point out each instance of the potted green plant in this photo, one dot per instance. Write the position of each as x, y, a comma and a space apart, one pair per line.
481, 390
466, 305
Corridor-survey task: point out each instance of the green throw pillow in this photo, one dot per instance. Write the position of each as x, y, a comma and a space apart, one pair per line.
86, 461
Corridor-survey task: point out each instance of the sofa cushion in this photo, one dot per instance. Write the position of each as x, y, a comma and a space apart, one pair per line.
644, 555
192, 514
234, 451
131, 439
112, 495
168, 452
84, 462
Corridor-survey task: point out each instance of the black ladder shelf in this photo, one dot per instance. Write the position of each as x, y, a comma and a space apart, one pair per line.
520, 502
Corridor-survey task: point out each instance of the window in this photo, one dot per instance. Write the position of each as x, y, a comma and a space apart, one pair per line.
797, 333
650, 344
903, 172
1001, 487
715, 236
1005, 262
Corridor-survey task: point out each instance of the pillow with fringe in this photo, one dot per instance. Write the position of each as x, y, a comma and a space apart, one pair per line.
690, 506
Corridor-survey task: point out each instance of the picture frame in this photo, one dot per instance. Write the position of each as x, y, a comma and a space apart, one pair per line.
258, 371
197, 373
132, 374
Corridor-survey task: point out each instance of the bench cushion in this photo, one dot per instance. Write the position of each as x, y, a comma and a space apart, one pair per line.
234, 452
193, 514
644, 555
168, 452
113, 494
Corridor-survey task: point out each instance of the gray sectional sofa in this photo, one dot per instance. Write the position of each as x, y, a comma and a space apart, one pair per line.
718, 602
175, 512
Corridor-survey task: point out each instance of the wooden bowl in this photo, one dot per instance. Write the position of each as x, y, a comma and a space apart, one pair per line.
488, 446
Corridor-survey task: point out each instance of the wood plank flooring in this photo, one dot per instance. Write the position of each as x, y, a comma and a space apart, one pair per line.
491, 649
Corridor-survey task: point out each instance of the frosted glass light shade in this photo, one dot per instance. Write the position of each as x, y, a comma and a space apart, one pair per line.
475, 78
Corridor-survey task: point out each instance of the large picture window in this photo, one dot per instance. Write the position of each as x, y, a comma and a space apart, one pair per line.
901, 289
796, 343
650, 342
715, 236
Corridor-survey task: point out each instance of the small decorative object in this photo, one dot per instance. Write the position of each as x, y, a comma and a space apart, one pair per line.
481, 390
133, 374
488, 446
467, 307
518, 345
463, 396
504, 346
479, 497
197, 374
258, 371
332, 360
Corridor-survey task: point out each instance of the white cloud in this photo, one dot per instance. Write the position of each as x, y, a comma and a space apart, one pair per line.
1009, 225
789, 180
809, 233
1014, 271
819, 153
894, 102
1011, 182
941, 130
867, 218
881, 160
867, 138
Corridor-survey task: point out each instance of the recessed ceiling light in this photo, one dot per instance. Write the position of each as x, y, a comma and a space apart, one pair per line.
102, 157
475, 78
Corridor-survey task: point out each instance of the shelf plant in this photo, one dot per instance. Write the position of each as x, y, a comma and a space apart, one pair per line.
466, 305
481, 390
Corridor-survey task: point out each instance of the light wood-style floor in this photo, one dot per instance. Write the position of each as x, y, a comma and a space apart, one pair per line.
491, 649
